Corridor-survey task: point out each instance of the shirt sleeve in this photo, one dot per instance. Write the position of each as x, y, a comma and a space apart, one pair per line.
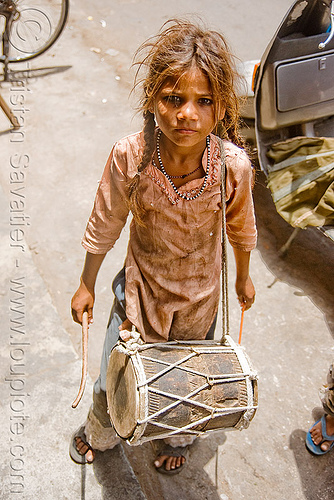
110, 210
240, 217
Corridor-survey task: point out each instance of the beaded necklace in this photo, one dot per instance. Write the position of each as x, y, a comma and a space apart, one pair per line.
169, 177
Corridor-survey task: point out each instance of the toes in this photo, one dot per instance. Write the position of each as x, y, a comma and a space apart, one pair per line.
171, 463
81, 446
90, 455
325, 446
84, 449
316, 434
177, 462
160, 460
316, 439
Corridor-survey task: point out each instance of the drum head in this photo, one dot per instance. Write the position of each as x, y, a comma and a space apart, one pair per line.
122, 395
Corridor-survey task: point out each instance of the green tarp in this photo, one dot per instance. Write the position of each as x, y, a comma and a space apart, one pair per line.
301, 180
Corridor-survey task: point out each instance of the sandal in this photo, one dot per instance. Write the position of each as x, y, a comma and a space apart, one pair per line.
178, 451
316, 448
74, 453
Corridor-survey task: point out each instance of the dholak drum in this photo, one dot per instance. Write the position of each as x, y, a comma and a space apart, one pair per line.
155, 391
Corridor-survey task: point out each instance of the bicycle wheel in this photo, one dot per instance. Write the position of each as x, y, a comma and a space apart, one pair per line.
35, 27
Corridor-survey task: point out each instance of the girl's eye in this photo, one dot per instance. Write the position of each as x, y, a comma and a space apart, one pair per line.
206, 101
173, 99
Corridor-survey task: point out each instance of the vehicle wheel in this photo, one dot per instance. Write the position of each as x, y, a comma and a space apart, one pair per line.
35, 27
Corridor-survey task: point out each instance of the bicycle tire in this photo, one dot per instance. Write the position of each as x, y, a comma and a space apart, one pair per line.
36, 29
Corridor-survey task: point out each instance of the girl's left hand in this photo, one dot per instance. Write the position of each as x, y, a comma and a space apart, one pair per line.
245, 292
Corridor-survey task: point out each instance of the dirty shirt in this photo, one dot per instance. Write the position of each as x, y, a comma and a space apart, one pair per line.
173, 261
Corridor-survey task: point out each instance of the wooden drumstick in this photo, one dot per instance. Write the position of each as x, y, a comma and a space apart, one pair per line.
241, 322
84, 359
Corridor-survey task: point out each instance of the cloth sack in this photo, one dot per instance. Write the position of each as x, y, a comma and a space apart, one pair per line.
301, 180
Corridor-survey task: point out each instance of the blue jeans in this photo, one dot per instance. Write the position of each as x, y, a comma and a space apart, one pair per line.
116, 318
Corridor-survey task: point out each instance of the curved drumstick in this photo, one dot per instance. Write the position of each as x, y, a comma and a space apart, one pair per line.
84, 359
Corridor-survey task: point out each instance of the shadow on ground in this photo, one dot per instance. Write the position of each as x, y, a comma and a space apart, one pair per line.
309, 262
116, 481
192, 483
141, 481
28, 74
316, 473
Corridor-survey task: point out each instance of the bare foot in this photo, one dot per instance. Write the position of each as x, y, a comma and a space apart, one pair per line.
316, 433
84, 449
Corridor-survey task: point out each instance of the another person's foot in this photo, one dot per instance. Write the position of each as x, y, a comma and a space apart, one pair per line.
171, 459
316, 433
320, 438
80, 450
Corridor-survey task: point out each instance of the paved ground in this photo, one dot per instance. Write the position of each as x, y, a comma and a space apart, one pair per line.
73, 105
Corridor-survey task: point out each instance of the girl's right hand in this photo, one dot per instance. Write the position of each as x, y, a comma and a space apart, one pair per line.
82, 300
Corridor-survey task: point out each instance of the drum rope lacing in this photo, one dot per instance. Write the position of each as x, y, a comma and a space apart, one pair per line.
145, 385
170, 367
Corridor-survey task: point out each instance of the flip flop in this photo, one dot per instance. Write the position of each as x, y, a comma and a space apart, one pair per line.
178, 451
315, 448
74, 454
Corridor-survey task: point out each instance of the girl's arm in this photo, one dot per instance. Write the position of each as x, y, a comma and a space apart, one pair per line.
83, 299
243, 283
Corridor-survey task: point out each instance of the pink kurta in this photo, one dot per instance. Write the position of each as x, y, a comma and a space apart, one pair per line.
173, 263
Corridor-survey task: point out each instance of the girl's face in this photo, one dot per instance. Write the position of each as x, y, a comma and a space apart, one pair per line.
184, 109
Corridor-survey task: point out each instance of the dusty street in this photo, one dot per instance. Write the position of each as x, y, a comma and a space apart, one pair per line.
74, 103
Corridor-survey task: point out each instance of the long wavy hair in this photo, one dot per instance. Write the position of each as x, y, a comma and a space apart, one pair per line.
179, 45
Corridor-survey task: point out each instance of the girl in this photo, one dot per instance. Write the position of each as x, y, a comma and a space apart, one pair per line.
169, 177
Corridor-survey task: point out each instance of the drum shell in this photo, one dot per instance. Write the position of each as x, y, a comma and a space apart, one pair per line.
202, 386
